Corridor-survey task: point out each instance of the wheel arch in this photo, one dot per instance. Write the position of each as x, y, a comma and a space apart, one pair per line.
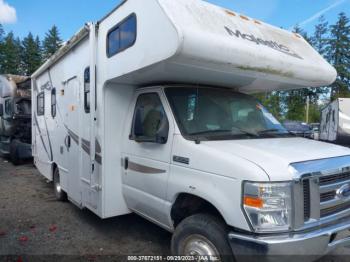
188, 204
54, 166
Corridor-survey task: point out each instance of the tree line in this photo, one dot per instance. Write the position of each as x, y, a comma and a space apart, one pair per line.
25, 56
333, 43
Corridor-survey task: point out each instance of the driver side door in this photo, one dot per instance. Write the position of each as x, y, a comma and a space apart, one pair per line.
146, 156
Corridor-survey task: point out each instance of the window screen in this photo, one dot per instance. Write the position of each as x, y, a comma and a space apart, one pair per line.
41, 104
122, 36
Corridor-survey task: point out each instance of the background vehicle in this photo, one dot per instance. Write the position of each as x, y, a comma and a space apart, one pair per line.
15, 117
148, 111
315, 131
335, 122
298, 128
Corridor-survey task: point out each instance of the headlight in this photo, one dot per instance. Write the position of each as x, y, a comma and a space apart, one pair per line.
268, 206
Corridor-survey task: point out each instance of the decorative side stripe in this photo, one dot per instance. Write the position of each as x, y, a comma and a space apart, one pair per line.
85, 145
144, 169
74, 136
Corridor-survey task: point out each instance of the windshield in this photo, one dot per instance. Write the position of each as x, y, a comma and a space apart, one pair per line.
220, 114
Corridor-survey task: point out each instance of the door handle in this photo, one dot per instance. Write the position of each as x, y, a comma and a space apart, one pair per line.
126, 163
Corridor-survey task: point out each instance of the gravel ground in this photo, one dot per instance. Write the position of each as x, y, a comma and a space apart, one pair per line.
35, 227
33, 223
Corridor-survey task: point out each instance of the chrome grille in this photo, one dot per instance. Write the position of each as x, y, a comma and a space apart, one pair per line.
306, 192
321, 191
327, 196
320, 198
335, 209
326, 180
330, 202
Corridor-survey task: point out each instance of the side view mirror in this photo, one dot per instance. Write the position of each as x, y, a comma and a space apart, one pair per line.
1, 110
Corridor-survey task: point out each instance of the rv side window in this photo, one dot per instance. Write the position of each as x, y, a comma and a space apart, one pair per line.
87, 90
53, 102
122, 36
41, 104
149, 120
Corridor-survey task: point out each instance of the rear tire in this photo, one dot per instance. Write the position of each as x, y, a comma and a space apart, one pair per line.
202, 235
14, 153
59, 193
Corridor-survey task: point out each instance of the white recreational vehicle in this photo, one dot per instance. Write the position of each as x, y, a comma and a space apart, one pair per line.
335, 122
148, 111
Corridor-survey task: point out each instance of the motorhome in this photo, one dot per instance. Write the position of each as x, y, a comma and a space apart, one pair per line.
149, 111
15, 118
335, 122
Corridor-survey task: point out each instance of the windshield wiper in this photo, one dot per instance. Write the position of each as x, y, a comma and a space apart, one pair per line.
272, 132
244, 132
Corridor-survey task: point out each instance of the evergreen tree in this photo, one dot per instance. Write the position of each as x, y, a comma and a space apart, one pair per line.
31, 55
272, 101
320, 38
298, 30
339, 55
2, 33
52, 42
11, 55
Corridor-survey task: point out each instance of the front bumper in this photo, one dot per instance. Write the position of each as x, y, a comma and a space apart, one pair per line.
309, 245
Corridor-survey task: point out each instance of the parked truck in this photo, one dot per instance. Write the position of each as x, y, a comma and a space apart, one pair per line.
335, 122
149, 111
15, 117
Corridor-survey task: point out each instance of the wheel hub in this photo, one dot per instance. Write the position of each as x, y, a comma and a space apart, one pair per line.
58, 188
197, 245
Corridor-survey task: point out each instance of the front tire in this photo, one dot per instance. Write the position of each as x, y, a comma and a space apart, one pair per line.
59, 193
202, 235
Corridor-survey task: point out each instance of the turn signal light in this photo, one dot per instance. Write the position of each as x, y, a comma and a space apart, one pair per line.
253, 202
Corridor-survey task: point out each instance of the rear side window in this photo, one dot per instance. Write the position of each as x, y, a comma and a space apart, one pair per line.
87, 90
53, 102
41, 104
122, 36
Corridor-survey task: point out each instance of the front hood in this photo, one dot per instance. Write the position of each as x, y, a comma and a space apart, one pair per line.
275, 155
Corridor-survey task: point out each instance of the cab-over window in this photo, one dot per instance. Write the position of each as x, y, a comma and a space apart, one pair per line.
122, 36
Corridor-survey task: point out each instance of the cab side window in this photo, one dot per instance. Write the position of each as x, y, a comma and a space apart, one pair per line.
150, 123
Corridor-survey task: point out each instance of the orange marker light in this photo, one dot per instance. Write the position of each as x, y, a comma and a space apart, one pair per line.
230, 13
253, 202
244, 17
